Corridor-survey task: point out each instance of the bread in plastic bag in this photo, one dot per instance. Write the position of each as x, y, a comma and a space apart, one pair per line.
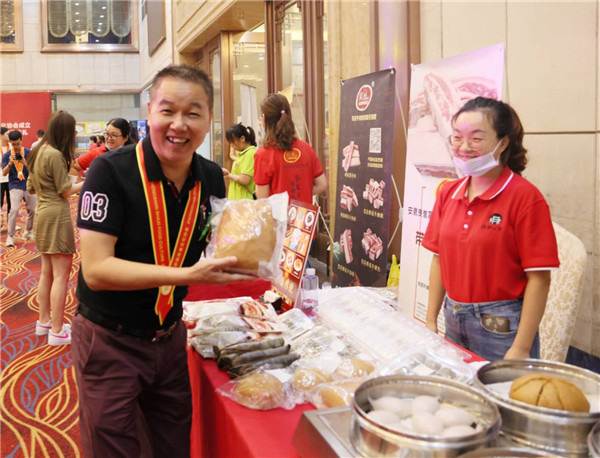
258, 390
251, 230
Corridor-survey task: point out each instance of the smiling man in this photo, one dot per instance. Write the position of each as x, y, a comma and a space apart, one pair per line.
142, 217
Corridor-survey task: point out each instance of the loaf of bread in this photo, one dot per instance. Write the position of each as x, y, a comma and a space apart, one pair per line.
259, 391
548, 391
306, 378
248, 231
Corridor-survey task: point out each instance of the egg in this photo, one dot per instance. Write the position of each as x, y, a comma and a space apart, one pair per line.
400, 406
427, 404
458, 431
384, 417
401, 426
452, 416
425, 423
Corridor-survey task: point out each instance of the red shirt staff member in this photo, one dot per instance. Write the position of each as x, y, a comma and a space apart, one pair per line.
492, 239
284, 162
142, 216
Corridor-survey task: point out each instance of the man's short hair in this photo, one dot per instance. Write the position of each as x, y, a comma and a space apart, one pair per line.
185, 73
14, 135
3, 130
40, 133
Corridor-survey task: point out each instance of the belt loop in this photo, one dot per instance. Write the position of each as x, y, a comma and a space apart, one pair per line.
476, 311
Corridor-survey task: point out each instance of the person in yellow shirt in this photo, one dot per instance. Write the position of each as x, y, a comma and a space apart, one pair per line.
241, 177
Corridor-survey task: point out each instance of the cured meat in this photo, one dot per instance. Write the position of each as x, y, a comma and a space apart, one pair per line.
348, 199
374, 193
372, 245
346, 245
443, 101
351, 156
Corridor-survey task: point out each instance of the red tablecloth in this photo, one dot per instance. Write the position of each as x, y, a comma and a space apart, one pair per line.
220, 426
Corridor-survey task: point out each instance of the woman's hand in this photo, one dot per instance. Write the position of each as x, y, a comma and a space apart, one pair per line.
432, 326
225, 171
516, 353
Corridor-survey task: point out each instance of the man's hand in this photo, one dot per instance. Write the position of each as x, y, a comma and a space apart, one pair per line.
215, 272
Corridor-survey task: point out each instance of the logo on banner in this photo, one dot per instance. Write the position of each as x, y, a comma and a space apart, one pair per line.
292, 156
363, 98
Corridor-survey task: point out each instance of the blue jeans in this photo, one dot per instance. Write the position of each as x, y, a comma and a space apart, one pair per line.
464, 326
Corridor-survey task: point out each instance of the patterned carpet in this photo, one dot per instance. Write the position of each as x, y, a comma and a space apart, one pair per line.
39, 407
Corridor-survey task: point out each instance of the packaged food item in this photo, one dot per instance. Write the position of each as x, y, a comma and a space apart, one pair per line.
335, 394
548, 391
260, 391
307, 378
353, 368
251, 230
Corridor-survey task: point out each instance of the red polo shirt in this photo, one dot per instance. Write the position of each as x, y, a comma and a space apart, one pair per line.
86, 159
486, 246
293, 171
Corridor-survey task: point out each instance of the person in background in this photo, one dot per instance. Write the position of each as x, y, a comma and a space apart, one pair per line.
492, 238
4, 178
241, 177
128, 338
117, 133
14, 164
49, 164
284, 162
93, 143
40, 134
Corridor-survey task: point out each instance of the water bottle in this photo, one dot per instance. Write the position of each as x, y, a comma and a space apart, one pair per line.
310, 292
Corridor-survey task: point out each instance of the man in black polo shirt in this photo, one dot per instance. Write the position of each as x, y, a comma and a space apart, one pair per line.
142, 217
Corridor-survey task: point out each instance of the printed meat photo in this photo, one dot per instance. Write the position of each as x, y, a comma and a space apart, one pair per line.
351, 156
374, 193
372, 245
348, 199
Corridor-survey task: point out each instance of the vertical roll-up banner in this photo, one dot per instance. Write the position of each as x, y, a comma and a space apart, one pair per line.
437, 91
366, 142
27, 112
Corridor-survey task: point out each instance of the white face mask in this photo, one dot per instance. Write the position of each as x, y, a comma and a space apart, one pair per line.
478, 165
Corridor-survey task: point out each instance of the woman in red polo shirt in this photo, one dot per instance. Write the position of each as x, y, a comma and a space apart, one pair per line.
284, 162
492, 238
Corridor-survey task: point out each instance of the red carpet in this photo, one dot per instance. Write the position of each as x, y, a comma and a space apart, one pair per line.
39, 408
39, 396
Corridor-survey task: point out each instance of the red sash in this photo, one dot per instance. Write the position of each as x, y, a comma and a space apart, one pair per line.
159, 228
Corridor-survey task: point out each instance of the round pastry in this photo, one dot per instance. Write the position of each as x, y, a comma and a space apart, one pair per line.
352, 368
339, 394
548, 391
247, 230
306, 378
259, 391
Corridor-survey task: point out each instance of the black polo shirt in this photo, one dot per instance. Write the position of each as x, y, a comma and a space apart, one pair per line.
113, 202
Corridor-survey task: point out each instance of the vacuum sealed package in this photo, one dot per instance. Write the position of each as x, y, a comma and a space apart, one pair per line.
251, 230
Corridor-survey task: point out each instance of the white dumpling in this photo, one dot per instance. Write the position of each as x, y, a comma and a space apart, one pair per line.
425, 423
385, 417
452, 416
459, 431
400, 406
401, 426
425, 404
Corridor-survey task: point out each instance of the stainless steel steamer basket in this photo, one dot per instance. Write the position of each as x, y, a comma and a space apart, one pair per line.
373, 439
593, 441
557, 431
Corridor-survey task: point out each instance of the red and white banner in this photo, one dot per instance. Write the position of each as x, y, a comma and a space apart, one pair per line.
27, 112
438, 90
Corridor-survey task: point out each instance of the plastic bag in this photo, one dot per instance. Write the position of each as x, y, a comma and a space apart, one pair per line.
251, 230
258, 390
